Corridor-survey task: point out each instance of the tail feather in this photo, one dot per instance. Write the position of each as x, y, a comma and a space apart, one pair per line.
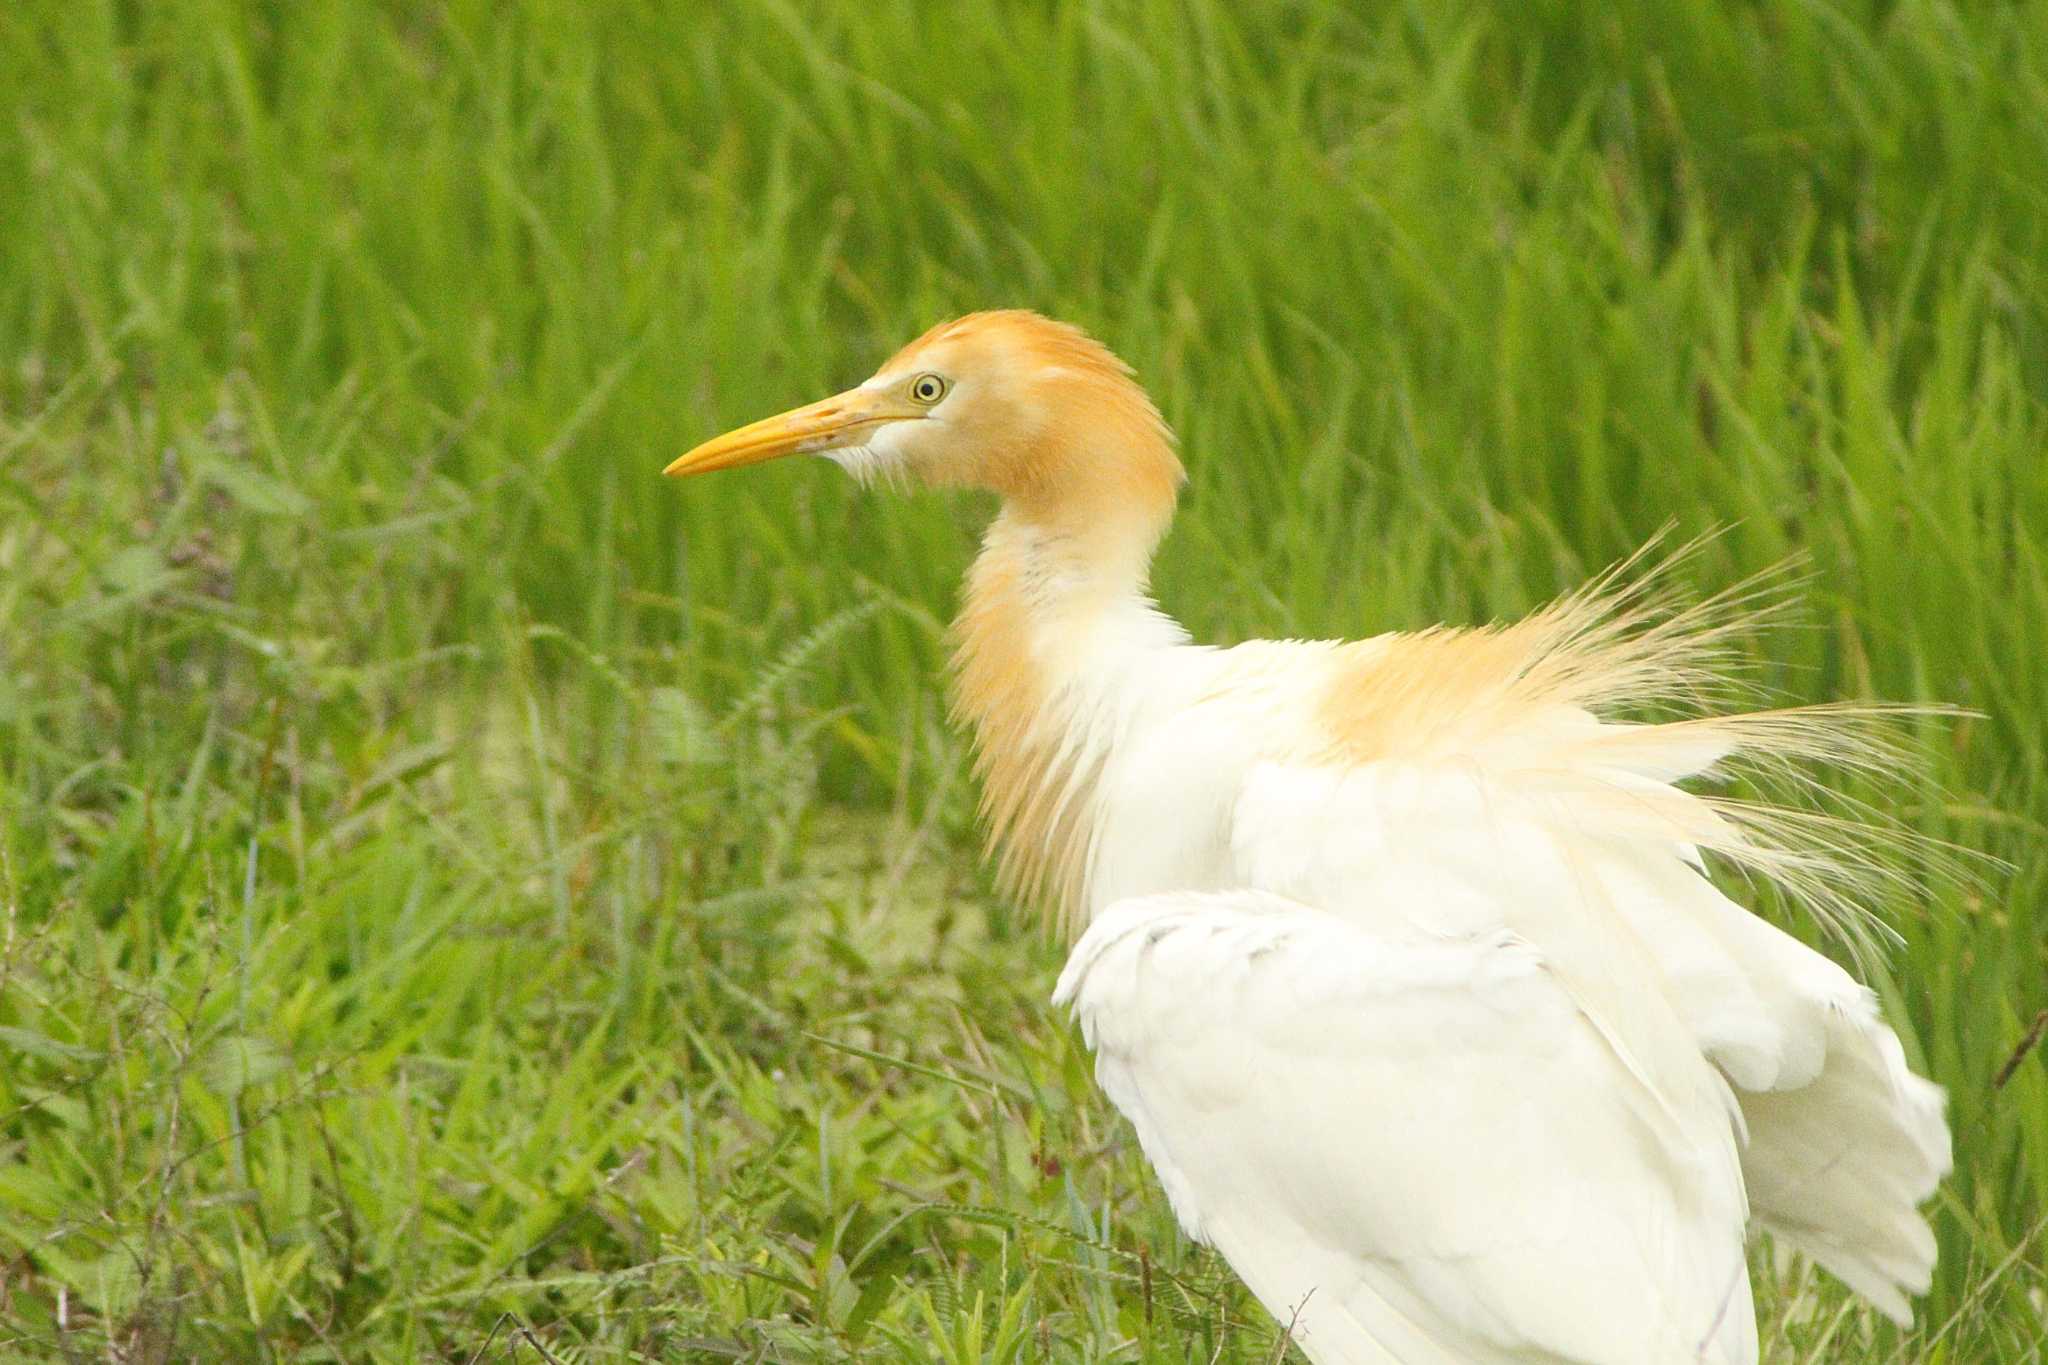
1838, 1168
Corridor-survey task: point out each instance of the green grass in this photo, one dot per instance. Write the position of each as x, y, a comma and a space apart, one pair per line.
463, 898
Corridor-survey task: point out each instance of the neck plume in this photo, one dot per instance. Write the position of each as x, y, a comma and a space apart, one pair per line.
1052, 614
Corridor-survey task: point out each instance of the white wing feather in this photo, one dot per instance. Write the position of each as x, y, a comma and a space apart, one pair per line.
1744, 1052
1841, 1141
1844, 1142
1413, 1151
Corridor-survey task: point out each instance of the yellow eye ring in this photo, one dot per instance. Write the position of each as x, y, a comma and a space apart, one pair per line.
928, 389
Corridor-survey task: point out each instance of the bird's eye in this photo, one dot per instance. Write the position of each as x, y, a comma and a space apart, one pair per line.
928, 389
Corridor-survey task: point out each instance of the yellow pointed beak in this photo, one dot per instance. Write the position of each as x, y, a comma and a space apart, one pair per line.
845, 419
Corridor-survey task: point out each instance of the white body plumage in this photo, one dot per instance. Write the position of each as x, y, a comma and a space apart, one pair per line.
1459, 1056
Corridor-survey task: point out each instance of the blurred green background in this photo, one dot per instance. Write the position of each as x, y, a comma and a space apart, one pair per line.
464, 898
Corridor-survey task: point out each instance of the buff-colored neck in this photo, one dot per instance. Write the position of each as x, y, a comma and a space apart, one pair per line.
1049, 603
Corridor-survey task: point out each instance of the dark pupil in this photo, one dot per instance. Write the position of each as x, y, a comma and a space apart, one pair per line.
927, 388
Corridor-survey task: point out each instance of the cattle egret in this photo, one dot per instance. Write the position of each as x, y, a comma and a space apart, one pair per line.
1400, 955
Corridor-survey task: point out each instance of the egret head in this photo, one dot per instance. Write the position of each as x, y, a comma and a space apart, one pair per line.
1032, 409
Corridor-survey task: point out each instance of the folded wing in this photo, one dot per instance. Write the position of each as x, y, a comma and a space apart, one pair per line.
1592, 863
1412, 1151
